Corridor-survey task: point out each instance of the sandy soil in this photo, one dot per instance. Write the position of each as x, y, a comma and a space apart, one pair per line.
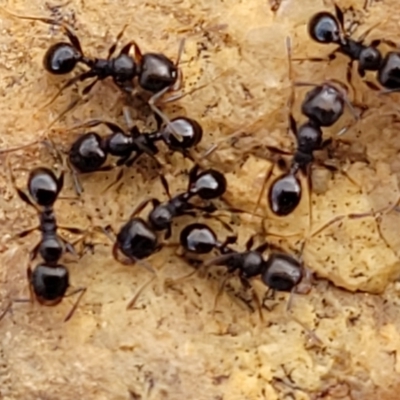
340, 341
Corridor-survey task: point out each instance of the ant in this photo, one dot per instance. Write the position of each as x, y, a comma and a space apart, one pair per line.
49, 280
138, 239
279, 272
325, 28
323, 106
89, 152
155, 72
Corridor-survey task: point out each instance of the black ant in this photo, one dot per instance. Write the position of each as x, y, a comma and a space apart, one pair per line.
155, 72
138, 239
323, 106
279, 272
325, 28
49, 280
89, 152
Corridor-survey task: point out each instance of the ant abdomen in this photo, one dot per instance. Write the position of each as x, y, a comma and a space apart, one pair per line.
43, 186
61, 58
284, 194
209, 184
189, 131
49, 283
324, 28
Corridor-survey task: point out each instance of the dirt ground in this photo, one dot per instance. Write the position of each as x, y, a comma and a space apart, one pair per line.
340, 341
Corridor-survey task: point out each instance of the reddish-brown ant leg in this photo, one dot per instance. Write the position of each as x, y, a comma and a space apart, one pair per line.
82, 291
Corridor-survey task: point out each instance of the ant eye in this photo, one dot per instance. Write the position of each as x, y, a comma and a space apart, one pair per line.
282, 272
324, 28
61, 58
43, 186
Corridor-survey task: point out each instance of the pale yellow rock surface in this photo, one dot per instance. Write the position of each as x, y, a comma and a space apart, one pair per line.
340, 341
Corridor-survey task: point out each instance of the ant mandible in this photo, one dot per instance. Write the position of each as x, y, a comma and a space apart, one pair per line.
155, 72
138, 239
49, 280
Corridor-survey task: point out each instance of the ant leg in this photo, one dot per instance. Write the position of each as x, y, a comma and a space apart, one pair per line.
138, 54
219, 293
171, 282
26, 232
22, 195
330, 57
81, 292
12, 149
134, 299
140, 207
349, 74
265, 181
113, 47
6, 310
367, 32
33, 254
165, 185
79, 78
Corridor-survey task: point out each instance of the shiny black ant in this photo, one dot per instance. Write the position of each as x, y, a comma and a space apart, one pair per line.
138, 239
49, 280
155, 72
89, 151
326, 28
279, 272
323, 106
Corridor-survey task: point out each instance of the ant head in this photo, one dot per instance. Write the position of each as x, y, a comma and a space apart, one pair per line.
198, 238
324, 28
160, 217
61, 58
51, 249
252, 264
49, 283
86, 153
284, 194
44, 187
119, 144
157, 72
209, 184
137, 240
124, 68
282, 272
389, 73
323, 105
370, 59
189, 131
